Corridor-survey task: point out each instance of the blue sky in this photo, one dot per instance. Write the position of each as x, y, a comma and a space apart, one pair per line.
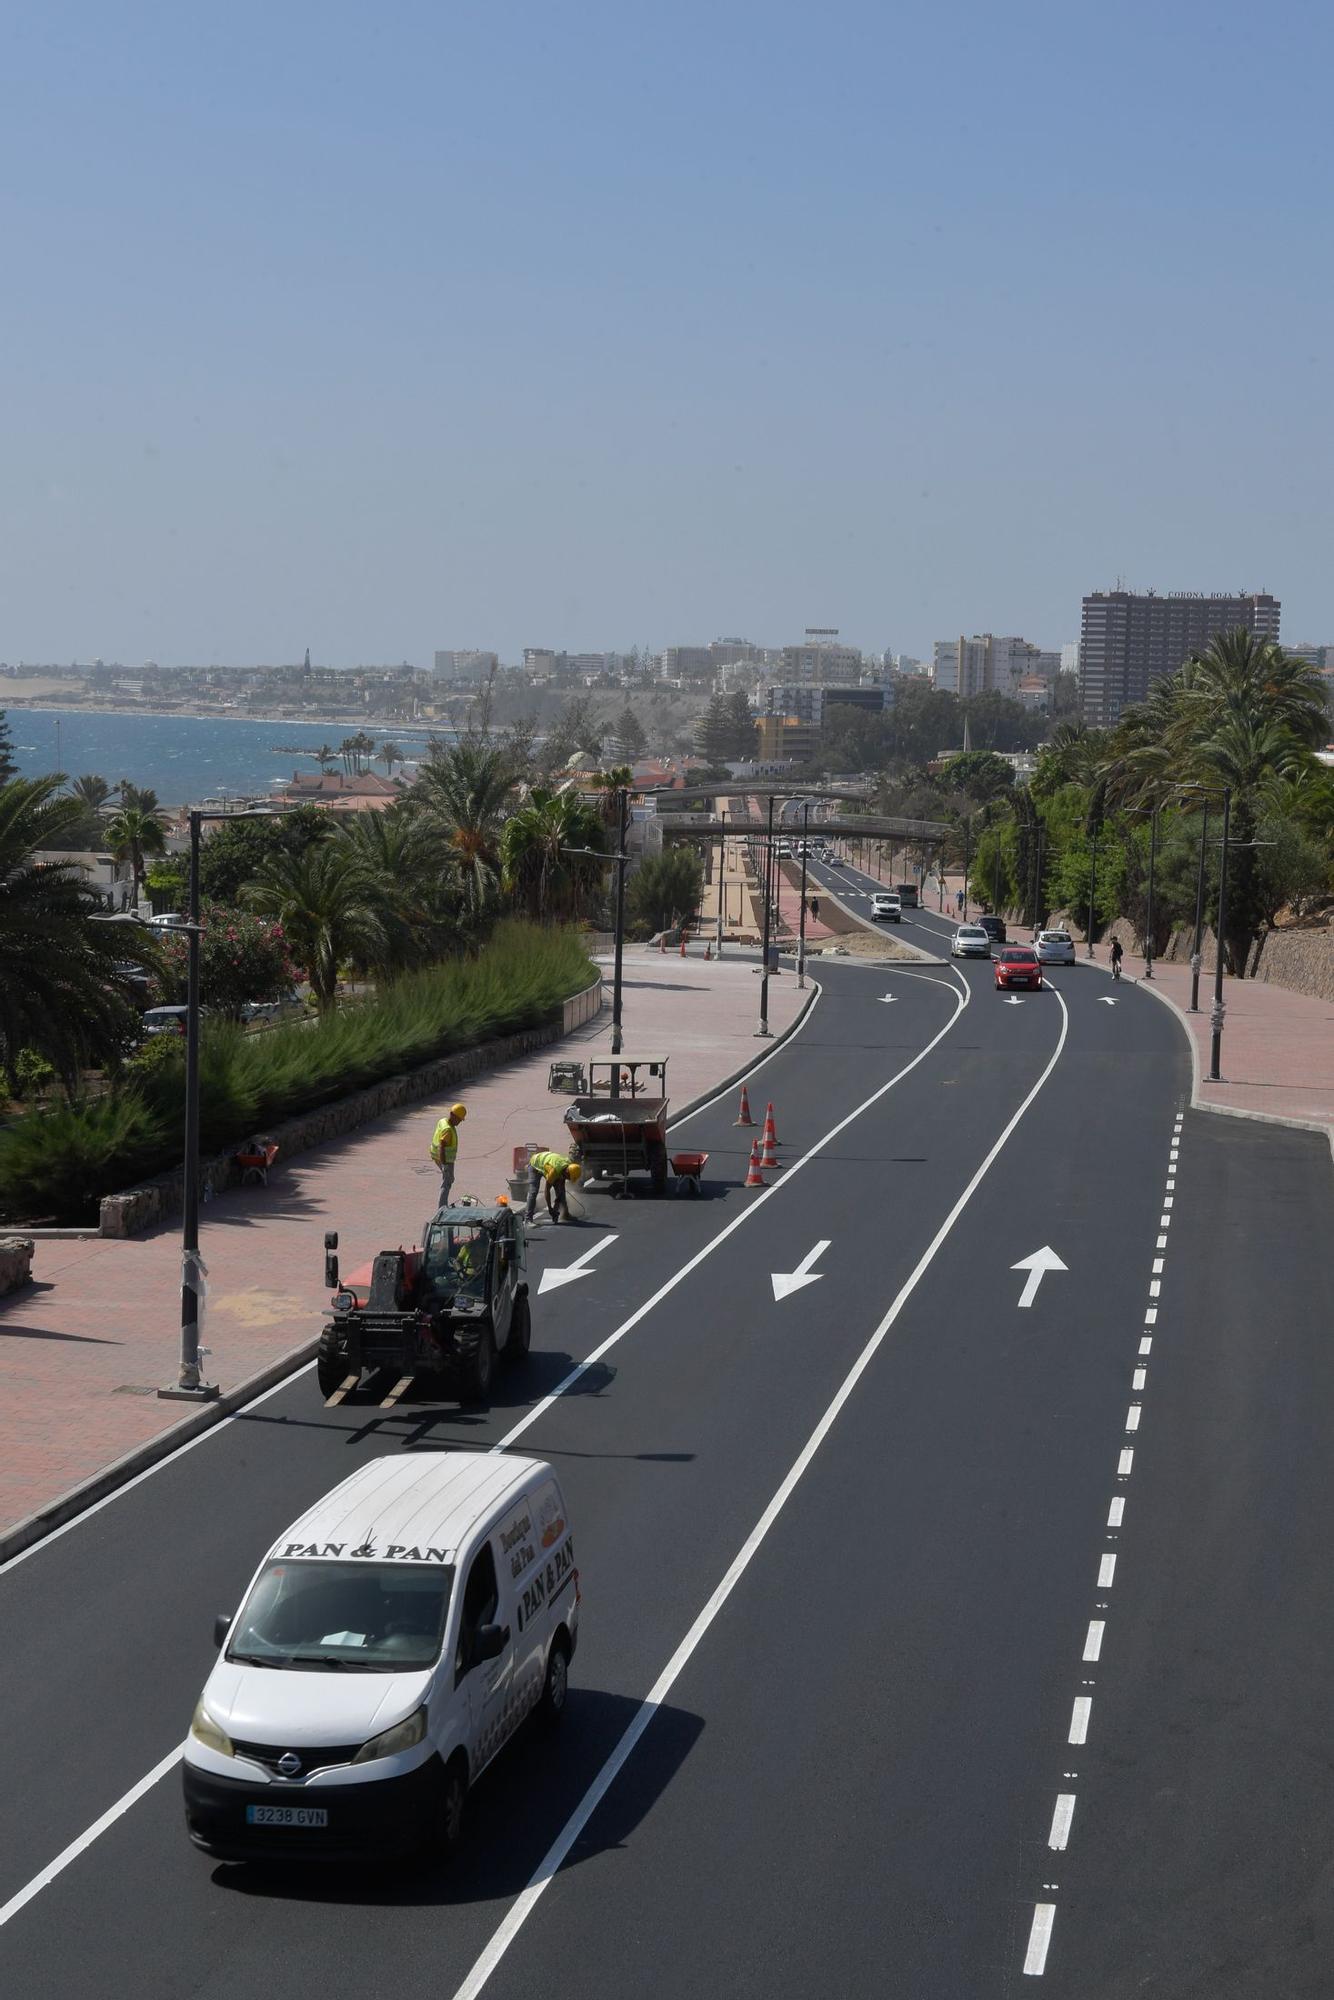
381, 329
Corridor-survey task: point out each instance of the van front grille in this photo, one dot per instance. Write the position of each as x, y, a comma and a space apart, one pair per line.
314, 1757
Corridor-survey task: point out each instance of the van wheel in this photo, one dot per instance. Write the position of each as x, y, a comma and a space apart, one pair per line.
556, 1686
482, 1372
521, 1332
453, 1806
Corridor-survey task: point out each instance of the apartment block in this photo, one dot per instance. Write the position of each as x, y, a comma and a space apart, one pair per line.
1130, 639
989, 664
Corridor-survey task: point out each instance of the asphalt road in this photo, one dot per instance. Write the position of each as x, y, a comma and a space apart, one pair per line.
850, 1776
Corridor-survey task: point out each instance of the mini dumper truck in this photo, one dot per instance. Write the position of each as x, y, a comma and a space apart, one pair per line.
618, 1126
441, 1314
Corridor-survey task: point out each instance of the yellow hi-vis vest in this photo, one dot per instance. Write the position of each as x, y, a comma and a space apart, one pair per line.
445, 1144
552, 1166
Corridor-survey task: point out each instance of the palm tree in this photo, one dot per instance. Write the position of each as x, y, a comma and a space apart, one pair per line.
135, 834
464, 789
141, 797
330, 907
60, 988
408, 857
553, 884
91, 791
390, 754
326, 756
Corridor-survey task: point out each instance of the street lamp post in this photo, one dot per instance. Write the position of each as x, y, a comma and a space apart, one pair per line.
622, 821
763, 1028
1148, 925
722, 877
1197, 947
189, 1385
1216, 1018
1093, 890
967, 859
801, 939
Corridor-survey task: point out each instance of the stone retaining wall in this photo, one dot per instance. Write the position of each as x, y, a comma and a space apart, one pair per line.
158, 1200
1300, 961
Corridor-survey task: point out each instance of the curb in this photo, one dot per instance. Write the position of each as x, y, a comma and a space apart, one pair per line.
875, 931
34, 1527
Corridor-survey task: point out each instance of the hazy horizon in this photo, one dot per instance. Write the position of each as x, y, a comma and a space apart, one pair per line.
595, 329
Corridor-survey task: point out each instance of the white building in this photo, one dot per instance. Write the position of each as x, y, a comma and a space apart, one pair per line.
986, 663
465, 664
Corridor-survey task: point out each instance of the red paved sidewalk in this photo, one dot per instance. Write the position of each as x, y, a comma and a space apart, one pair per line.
1277, 1051
83, 1348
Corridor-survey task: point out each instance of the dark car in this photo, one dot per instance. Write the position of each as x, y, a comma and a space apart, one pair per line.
994, 928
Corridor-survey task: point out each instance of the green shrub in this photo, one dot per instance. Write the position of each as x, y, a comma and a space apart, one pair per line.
34, 1074
62, 1163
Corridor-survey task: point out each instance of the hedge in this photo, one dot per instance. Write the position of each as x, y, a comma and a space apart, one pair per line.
60, 1163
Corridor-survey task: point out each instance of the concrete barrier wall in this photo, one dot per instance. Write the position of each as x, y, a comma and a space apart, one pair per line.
138, 1209
581, 1007
15, 1262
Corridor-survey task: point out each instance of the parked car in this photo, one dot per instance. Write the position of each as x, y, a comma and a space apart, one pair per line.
887, 908
270, 1012
971, 941
1055, 948
994, 928
165, 1020
1017, 965
170, 920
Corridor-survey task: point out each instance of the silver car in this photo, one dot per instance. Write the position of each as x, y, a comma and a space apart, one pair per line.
970, 941
1055, 948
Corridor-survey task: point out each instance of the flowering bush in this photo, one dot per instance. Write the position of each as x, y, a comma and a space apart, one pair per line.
241, 958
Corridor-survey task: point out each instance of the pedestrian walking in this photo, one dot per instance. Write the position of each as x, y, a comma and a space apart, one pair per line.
555, 1169
445, 1148
958, 898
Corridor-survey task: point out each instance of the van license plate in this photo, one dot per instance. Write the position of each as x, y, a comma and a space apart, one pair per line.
286, 1816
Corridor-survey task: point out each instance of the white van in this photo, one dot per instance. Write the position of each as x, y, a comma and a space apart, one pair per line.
391, 1641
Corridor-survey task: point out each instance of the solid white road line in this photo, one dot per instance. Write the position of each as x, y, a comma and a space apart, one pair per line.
1093, 1639
550, 1865
87, 1837
1064, 1812
1079, 1719
1116, 1513
1039, 1939
1107, 1570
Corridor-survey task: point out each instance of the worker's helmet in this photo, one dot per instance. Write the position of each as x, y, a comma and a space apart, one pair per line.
575, 1170
458, 1111
502, 1201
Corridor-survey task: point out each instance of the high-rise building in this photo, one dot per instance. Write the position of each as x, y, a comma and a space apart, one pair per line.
464, 664
1130, 639
821, 705
988, 664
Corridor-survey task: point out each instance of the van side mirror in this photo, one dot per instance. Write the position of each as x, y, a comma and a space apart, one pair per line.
331, 1259
488, 1642
222, 1625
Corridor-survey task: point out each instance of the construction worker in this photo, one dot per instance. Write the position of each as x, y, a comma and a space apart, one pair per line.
445, 1148
555, 1169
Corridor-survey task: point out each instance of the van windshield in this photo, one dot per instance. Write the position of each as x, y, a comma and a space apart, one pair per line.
384, 1618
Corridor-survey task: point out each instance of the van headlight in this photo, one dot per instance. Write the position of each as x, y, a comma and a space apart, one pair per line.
401, 1737
205, 1730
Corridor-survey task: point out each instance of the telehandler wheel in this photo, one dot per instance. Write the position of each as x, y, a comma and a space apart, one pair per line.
482, 1369
521, 1332
331, 1363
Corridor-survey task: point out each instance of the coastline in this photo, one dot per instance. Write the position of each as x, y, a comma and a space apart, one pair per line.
48, 707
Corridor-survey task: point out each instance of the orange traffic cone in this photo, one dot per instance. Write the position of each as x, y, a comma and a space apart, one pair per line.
754, 1178
743, 1116
771, 1130
769, 1158
683, 944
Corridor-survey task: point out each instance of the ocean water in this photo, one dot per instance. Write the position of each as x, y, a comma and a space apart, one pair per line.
183, 758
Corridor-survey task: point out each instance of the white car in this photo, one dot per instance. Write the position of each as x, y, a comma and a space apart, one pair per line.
1055, 948
887, 907
970, 941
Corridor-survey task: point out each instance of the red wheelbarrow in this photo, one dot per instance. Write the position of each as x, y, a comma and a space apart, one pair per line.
255, 1160
688, 1169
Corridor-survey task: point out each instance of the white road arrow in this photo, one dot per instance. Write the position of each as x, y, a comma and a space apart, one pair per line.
1105, 1001
1012, 1000
888, 999
553, 1280
1037, 1267
792, 1281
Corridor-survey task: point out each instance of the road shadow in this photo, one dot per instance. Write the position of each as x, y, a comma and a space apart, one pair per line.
519, 1807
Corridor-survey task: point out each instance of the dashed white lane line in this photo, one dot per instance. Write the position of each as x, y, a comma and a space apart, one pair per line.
1155, 1289
1167, 1204
1158, 1267
1151, 1316
1116, 1513
1138, 1380
1061, 1817
1079, 1719
1107, 1572
1093, 1638
1125, 1465
1039, 1939
1146, 1344
1132, 1417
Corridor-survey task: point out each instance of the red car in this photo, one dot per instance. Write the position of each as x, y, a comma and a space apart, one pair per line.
1017, 965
